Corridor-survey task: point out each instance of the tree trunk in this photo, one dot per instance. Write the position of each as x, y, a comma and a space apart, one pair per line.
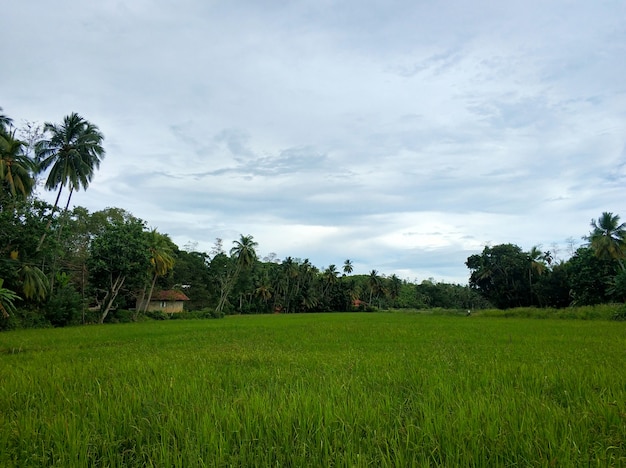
227, 285
145, 307
110, 297
139, 304
67, 205
54, 208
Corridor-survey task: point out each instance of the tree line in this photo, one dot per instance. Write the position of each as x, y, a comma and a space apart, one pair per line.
62, 266
508, 277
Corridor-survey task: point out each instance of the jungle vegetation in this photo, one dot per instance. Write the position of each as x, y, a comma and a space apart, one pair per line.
62, 266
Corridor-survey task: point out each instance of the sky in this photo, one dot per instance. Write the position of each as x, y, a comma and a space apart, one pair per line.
404, 135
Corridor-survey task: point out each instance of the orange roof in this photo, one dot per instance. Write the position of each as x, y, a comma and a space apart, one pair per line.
170, 295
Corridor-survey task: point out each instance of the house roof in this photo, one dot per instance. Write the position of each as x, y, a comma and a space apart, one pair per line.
170, 295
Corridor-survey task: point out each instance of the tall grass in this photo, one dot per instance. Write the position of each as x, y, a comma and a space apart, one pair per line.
316, 390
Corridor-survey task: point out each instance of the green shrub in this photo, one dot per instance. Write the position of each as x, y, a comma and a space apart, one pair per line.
64, 307
157, 315
620, 314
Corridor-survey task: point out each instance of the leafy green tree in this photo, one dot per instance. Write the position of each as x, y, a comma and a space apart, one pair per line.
119, 258
500, 274
552, 288
608, 238
65, 305
590, 277
192, 272
19, 262
72, 151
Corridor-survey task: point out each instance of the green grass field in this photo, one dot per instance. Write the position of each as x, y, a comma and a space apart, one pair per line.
379, 389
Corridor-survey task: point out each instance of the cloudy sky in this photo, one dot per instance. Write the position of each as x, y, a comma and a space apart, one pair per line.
402, 134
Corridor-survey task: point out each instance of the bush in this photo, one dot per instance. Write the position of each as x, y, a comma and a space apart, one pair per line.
592, 312
64, 307
26, 317
119, 316
620, 314
157, 315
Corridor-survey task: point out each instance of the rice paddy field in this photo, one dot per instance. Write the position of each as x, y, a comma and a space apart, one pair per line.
368, 389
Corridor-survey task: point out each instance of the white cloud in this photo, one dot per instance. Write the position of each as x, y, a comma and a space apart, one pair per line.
401, 135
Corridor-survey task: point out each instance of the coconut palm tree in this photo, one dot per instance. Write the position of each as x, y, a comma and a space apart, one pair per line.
330, 278
16, 168
536, 264
161, 259
5, 122
244, 254
7, 297
375, 284
73, 152
348, 267
264, 291
35, 284
395, 284
244, 251
608, 238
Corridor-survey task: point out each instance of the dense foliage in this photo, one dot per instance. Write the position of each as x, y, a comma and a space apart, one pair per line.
69, 266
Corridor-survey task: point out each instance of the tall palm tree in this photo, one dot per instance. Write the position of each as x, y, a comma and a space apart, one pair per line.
73, 152
244, 251
348, 267
264, 291
161, 259
608, 238
536, 264
375, 285
395, 284
330, 278
244, 254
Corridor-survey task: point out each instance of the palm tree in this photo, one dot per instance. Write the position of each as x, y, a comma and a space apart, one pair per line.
35, 284
536, 264
330, 278
608, 238
7, 297
161, 259
395, 283
264, 291
290, 271
348, 267
73, 152
16, 168
374, 284
244, 253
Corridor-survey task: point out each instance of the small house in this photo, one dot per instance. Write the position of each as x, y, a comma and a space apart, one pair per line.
169, 302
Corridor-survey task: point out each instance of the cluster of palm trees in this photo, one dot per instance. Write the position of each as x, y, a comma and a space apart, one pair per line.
249, 285
71, 151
